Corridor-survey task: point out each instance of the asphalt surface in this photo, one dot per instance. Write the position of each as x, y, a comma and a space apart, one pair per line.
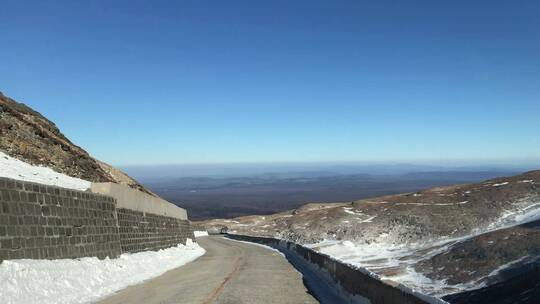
230, 272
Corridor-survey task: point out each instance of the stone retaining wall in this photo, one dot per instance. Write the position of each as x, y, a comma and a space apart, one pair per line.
144, 231
46, 222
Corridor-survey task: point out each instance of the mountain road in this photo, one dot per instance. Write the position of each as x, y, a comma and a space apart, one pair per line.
229, 272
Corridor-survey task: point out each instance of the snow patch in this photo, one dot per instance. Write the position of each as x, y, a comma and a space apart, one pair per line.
517, 217
200, 233
500, 184
13, 168
376, 258
368, 220
350, 211
353, 212
88, 279
396, 262
508, 265
434, 204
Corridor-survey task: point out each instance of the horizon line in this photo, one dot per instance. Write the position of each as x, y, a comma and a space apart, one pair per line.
431, 163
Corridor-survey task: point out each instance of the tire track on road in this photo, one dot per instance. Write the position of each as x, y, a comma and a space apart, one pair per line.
229, 276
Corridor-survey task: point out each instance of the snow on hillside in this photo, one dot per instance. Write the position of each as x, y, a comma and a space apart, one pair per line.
86, 280
13, 168
396, 262
200, 233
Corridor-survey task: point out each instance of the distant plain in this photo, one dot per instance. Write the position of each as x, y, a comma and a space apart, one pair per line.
250, 193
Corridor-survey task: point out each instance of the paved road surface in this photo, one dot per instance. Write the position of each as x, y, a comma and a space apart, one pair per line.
229, 273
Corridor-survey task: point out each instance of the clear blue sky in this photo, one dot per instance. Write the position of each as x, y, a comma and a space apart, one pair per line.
151, 82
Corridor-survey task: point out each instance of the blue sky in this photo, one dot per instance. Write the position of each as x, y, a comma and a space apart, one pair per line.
157, 82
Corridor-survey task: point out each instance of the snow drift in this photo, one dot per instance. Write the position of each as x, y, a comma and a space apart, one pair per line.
13, 168
87, 279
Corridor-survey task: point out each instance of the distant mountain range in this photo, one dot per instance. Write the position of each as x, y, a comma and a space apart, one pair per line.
225, 197
164, 173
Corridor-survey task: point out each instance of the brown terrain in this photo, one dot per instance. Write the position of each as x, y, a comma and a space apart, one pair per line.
473, 259
459, 237
411, 217
27, 135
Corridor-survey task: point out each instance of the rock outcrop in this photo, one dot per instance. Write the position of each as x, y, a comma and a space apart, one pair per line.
27, 135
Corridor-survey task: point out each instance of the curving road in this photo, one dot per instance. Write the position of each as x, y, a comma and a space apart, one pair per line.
230, 272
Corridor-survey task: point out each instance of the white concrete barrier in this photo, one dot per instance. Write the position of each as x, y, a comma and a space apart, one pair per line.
136, 200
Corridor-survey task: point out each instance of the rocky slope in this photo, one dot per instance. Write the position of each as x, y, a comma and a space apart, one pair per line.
440, 241
405, 218
27, 135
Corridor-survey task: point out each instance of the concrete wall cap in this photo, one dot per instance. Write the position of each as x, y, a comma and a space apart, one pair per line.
133, 199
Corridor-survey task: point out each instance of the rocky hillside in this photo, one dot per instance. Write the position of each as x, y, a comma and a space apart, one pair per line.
441, 241
27, 135
411, 217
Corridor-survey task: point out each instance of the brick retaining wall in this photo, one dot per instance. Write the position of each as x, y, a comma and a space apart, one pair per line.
46, 222
140, 231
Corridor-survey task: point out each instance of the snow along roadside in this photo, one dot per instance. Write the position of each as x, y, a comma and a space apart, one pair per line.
200, 233
87, 279
13, 168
